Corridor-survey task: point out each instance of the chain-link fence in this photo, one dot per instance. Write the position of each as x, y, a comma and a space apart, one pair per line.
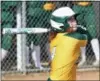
30, 52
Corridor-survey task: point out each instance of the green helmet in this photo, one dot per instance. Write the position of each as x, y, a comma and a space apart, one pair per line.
59, 18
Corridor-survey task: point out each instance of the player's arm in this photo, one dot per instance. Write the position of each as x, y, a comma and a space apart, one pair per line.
83, 43
83, 31
84, 40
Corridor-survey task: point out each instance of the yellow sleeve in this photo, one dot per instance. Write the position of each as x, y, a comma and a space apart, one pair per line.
83, 43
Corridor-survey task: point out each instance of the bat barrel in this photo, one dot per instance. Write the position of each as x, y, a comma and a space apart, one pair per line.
24, 30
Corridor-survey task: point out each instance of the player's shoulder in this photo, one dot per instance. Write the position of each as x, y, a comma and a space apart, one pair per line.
77, 35
61, 34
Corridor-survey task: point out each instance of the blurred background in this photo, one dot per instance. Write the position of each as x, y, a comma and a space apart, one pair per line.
19, 47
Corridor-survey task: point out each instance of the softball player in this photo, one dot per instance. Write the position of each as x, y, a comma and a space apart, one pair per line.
65, 45
39, 15
87, 19
7, 18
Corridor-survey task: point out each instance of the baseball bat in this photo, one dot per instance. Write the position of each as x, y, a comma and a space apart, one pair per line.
24, 30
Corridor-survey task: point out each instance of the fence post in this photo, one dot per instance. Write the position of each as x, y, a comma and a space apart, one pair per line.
21, 39
24, 35
19, 52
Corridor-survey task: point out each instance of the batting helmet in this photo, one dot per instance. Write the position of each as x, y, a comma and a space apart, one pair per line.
59, 18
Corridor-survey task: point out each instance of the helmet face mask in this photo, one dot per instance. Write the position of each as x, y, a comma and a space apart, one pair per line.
60, 17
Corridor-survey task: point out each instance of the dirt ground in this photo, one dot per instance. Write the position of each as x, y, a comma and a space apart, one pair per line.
81, 75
